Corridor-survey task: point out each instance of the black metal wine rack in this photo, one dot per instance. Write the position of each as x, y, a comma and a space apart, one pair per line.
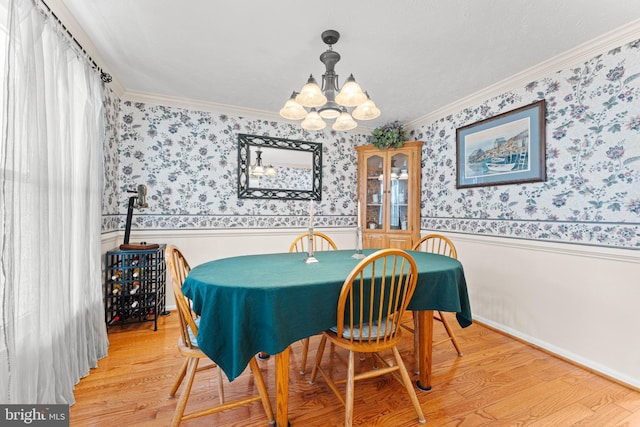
134, 286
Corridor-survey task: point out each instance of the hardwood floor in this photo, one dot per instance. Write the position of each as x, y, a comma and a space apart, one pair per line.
498, 382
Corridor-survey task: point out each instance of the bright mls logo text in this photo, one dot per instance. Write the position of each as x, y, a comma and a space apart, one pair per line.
39, 415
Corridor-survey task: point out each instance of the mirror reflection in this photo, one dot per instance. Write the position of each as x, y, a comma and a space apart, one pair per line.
278, 168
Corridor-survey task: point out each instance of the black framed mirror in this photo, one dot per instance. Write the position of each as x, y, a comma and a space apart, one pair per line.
279, 168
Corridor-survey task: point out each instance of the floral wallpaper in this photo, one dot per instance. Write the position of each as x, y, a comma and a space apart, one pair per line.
188, 160
110, 198
592, 192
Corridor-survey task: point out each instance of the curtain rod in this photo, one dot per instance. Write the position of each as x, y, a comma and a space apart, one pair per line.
104, 76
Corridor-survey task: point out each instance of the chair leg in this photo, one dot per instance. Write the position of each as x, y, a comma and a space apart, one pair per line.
445, 322
408, 385
305, 351
182, 403
319, 354
348, 407
262, 389
176, 384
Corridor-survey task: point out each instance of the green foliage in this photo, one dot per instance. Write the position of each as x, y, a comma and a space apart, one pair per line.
389, 135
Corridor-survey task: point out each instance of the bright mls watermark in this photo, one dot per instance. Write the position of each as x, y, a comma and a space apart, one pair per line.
34, 415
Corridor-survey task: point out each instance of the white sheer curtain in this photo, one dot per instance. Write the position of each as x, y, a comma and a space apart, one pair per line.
51, 177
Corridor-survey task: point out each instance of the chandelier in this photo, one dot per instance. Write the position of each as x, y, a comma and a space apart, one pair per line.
330, 102
258, 169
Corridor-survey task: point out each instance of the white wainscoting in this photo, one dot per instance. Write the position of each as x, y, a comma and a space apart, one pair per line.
579, 302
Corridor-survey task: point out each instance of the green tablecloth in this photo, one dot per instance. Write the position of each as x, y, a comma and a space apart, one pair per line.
266, 302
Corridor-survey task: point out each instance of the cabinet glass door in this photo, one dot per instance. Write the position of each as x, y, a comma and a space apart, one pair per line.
399, 192
389, 195
374, 213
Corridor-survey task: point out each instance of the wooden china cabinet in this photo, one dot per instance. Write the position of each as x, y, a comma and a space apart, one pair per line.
389, 195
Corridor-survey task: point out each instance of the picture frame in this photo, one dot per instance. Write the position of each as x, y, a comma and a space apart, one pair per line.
505, 149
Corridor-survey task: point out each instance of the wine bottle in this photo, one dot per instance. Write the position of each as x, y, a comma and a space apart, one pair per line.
134, 312
116, 319
117, 288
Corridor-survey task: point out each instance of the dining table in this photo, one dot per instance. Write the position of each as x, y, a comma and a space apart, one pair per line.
263, 303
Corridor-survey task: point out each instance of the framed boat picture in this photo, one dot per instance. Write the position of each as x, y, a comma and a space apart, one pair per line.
505, 149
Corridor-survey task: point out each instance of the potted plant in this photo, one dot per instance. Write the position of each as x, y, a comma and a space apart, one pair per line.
389, 135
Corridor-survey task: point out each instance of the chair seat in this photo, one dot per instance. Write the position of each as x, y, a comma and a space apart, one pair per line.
192, 337
365, 331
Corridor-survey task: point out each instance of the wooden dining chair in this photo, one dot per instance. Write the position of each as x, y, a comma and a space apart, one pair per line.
321, 242
188, 346
371, 305
438, 244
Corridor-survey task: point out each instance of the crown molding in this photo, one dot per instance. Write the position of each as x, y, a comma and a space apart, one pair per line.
616, 38
194, 104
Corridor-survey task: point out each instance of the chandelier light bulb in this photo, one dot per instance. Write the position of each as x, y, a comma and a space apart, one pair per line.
313, 121
292, 110
366, 111
351, 95
330, 110
257, 169
310, 95
344, 122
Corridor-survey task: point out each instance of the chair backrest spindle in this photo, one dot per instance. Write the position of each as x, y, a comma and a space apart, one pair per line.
437, 244
320, 242
375, 295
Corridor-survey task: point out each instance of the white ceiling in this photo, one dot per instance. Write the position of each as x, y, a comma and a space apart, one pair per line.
412, 56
